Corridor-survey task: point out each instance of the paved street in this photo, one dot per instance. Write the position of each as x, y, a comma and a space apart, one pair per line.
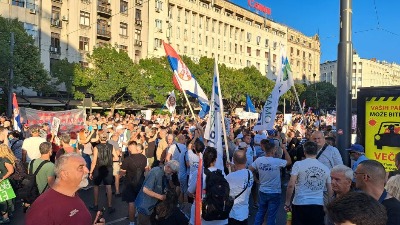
119, 217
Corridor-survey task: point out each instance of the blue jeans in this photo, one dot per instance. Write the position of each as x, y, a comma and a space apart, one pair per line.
87, 160
267, 203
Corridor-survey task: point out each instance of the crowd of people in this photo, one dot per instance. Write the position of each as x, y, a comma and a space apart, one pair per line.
153, 165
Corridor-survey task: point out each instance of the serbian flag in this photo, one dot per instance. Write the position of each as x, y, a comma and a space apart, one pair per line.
17, 118
185, 81
199, 192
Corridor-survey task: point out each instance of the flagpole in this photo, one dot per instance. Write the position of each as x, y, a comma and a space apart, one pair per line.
298, 101
223, 117
184, 94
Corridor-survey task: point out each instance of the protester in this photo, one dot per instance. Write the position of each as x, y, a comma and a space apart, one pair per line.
45, 176
133, 168
240, 182
357, 154
61, 199
356, 208
30, 147
7, 162
16, 144
370, 176
397, 164
101, 171
269, 170
393, 186
308, 179
341, 178
154, 190
328, 155
176, 149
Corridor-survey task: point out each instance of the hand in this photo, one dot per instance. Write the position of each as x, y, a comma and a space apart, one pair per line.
91, 176
102, 221
288, 207
162, 197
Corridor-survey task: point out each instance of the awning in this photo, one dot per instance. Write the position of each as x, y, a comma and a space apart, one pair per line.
39, 101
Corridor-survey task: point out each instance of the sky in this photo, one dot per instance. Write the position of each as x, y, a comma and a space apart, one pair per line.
376, 24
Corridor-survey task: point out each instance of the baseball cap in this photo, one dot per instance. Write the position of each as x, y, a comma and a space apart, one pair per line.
110, 126
356, 148
119, 127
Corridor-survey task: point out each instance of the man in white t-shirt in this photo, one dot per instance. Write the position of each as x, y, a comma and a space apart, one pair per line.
270, 191
240, 183
309, 178
30, 146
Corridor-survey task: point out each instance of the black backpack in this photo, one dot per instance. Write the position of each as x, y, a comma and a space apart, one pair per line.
217, 203
104, 157
29, 190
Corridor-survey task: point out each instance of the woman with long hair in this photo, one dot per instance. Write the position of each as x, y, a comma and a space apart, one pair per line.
7, 162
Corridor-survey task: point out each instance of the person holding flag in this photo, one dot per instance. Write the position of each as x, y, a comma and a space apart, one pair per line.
16, 116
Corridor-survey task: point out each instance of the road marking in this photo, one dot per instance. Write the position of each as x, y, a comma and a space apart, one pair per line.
117, 220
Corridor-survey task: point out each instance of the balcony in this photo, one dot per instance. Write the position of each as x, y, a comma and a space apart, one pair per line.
55, 50
104, 11
138, 22
56, 23
103, 34
138, 43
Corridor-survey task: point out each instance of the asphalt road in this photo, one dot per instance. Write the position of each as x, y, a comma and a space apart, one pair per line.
119, 217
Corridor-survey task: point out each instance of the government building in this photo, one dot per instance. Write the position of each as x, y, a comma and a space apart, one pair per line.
234, 35
365, 73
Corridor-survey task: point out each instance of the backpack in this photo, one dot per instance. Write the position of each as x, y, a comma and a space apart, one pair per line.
217, 203
19, 171
29, 191
104, 156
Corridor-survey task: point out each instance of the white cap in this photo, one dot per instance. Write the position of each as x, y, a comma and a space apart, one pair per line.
120, 127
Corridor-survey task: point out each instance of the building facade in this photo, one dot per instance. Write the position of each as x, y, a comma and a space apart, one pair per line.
365, 73
212, 28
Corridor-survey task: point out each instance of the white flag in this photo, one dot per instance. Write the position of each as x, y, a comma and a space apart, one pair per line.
285, 77
284, 82
171, 102
213, 131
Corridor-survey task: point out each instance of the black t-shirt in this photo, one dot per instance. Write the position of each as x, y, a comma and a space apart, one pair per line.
392, 206
151, 149
134, 164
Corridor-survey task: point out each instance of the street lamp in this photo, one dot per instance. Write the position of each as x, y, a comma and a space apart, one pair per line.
315, 89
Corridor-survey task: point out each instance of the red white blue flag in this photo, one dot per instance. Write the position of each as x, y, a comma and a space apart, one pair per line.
184, 79
16, 115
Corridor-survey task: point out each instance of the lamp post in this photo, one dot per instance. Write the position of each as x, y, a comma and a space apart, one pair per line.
315, 89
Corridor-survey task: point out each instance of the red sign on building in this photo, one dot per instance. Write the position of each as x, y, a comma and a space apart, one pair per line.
260, 7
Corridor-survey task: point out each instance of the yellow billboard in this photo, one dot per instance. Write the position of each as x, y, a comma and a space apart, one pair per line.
382, 130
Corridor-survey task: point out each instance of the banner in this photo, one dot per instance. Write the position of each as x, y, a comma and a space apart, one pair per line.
6, 191
70, 120
382, 130
243, 115
213, 131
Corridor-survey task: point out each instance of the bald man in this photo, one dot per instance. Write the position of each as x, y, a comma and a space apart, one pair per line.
370, 176
327, 154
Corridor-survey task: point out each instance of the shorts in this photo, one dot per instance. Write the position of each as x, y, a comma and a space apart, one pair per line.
130, 193
116, 168
103, 174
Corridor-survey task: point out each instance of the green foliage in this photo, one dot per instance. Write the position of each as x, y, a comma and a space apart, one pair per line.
153, 82
108, 79
63, 71
326, 93
28, 70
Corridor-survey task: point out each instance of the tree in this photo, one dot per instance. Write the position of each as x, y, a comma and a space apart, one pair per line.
290, 96
153, 82
28, 70
63, 71
326, 93
108, 79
